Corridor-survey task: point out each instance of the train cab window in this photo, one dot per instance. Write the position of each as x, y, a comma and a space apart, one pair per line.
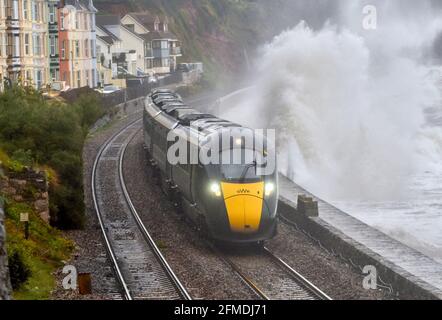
242, 169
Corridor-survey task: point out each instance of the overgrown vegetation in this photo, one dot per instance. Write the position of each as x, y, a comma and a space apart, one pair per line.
50, 135
19, 272
33, 261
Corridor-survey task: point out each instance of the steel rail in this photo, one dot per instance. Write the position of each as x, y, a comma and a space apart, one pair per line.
126, 292
250, 284
299, 278
172, 276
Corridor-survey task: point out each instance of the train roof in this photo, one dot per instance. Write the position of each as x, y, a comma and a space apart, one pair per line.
206, 126
160, 90
165, 95
159, 99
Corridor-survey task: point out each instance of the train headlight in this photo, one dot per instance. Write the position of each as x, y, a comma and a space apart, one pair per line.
269, 188
215, 189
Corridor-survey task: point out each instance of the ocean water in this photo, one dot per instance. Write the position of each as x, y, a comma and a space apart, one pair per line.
358, 116
415, 221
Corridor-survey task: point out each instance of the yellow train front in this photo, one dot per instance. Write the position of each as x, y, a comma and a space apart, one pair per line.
233, 196
238, 203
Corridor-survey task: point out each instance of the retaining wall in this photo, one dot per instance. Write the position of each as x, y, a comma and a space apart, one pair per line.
405, 284
28, 186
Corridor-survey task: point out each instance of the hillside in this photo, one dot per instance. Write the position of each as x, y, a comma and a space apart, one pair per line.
221, 33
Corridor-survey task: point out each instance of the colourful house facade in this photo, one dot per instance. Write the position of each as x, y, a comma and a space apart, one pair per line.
77, 43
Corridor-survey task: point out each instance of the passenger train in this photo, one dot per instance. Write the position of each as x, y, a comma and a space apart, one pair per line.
228, 201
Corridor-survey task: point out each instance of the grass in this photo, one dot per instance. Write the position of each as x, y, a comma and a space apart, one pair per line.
43, 253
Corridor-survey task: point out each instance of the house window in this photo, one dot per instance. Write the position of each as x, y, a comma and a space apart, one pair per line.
27, 49
39, 78
63, 49
78, 79
77, 48
86, 48
37, 44
9, 45
53, 45
41, 16
52, 14
54, 74
148, 49
61, 21
35, 13
156, 44
93, 49
77, 21
87, 77
5, 44
93, 78
25, 9
2, 44
9, 9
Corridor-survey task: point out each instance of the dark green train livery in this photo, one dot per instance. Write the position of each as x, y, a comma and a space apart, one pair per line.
228, 202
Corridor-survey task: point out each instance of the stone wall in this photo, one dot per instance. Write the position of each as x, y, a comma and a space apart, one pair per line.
27, 186
5, 287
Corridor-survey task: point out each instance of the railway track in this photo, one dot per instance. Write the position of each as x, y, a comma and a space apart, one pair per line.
139, 266
269, 277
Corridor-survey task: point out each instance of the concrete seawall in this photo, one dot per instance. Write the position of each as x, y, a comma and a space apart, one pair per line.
405, 284
5, 287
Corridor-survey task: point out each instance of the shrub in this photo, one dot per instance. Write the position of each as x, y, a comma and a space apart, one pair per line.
35, 131
23, 157
18, 271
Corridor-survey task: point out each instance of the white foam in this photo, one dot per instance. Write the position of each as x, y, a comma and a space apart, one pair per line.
351, 108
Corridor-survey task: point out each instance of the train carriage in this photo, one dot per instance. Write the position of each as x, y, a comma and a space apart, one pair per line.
229, 200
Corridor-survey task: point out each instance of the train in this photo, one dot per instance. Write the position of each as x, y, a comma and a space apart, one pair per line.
228, 201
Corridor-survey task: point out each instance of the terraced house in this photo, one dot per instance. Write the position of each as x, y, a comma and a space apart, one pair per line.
77, 43
23, 39
161, 47
3, 55
54, 58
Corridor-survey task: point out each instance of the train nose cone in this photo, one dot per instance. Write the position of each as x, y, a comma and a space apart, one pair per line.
244, 205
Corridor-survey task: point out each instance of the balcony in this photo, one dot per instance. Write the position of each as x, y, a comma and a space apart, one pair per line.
175, 51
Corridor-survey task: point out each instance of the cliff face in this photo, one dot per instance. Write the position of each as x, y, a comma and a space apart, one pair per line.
224, 33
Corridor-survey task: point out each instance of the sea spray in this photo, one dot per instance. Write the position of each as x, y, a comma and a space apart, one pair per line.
348, 107
359, 115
